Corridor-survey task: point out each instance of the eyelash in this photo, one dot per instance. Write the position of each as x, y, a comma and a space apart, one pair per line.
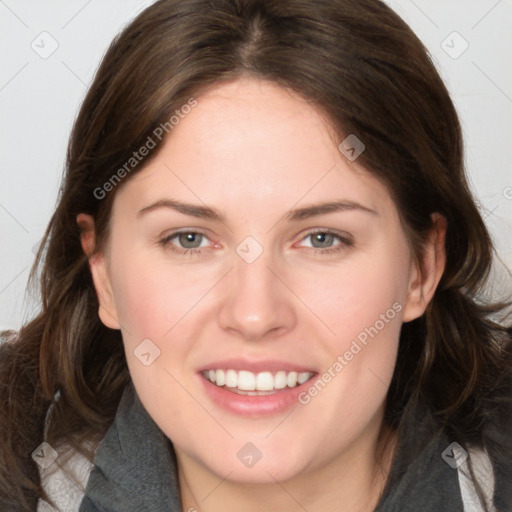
345, 242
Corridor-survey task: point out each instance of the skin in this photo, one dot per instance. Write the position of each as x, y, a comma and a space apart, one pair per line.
253, 151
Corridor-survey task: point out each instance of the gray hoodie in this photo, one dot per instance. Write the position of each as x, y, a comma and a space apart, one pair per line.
135, 470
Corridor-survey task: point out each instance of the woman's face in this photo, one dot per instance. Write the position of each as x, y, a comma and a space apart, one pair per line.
249, 295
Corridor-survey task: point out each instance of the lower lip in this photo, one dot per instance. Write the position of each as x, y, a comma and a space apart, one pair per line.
253, 406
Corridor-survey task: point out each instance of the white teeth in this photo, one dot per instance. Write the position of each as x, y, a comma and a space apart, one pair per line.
220, 377
246, 381
303, 377
291, 379
280, 380
231, 379
263, 381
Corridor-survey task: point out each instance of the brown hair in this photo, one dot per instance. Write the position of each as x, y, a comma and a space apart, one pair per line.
362, 66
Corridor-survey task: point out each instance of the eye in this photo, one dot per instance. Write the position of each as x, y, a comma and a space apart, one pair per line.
187, 242
322, 241
191, 242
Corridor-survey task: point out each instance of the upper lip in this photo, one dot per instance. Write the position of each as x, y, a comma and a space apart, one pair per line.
267, 365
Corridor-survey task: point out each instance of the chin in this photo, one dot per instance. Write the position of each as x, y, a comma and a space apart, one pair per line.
261, 462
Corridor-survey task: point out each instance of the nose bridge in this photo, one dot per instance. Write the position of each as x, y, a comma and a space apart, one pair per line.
256, 301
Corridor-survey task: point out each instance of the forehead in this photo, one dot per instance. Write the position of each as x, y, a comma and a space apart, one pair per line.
255, 140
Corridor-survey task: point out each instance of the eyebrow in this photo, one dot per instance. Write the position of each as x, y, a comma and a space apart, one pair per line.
205, 212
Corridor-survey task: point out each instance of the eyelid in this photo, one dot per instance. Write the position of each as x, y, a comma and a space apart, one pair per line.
343, 236
328, 230
173, 234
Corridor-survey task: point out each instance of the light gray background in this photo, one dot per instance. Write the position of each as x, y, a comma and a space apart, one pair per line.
39, 98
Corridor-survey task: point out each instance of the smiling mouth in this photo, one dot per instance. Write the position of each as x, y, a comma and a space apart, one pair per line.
256, 384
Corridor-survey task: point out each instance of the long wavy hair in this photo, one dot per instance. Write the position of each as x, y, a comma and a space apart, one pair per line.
62, 373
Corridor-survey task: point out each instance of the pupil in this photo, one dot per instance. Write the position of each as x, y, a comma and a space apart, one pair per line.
189, 238
322, 238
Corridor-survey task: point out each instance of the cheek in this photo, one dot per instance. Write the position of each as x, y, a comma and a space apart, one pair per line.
362, 304
152, 300
141, 300
363, 308
152, 296
355, 295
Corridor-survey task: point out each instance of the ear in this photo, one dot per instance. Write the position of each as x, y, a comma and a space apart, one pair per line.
99, 271
423, 281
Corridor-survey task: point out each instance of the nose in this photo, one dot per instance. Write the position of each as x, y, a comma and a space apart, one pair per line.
256, 304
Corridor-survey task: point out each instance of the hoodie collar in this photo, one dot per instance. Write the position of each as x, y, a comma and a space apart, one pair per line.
135, 465
135, 469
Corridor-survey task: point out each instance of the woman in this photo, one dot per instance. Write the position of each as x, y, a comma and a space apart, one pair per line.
262, 282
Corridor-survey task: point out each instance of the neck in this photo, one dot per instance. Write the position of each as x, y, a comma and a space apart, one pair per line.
350, 482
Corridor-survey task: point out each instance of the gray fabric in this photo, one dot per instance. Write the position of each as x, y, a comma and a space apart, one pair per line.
425, 483
134, 467
135, 470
